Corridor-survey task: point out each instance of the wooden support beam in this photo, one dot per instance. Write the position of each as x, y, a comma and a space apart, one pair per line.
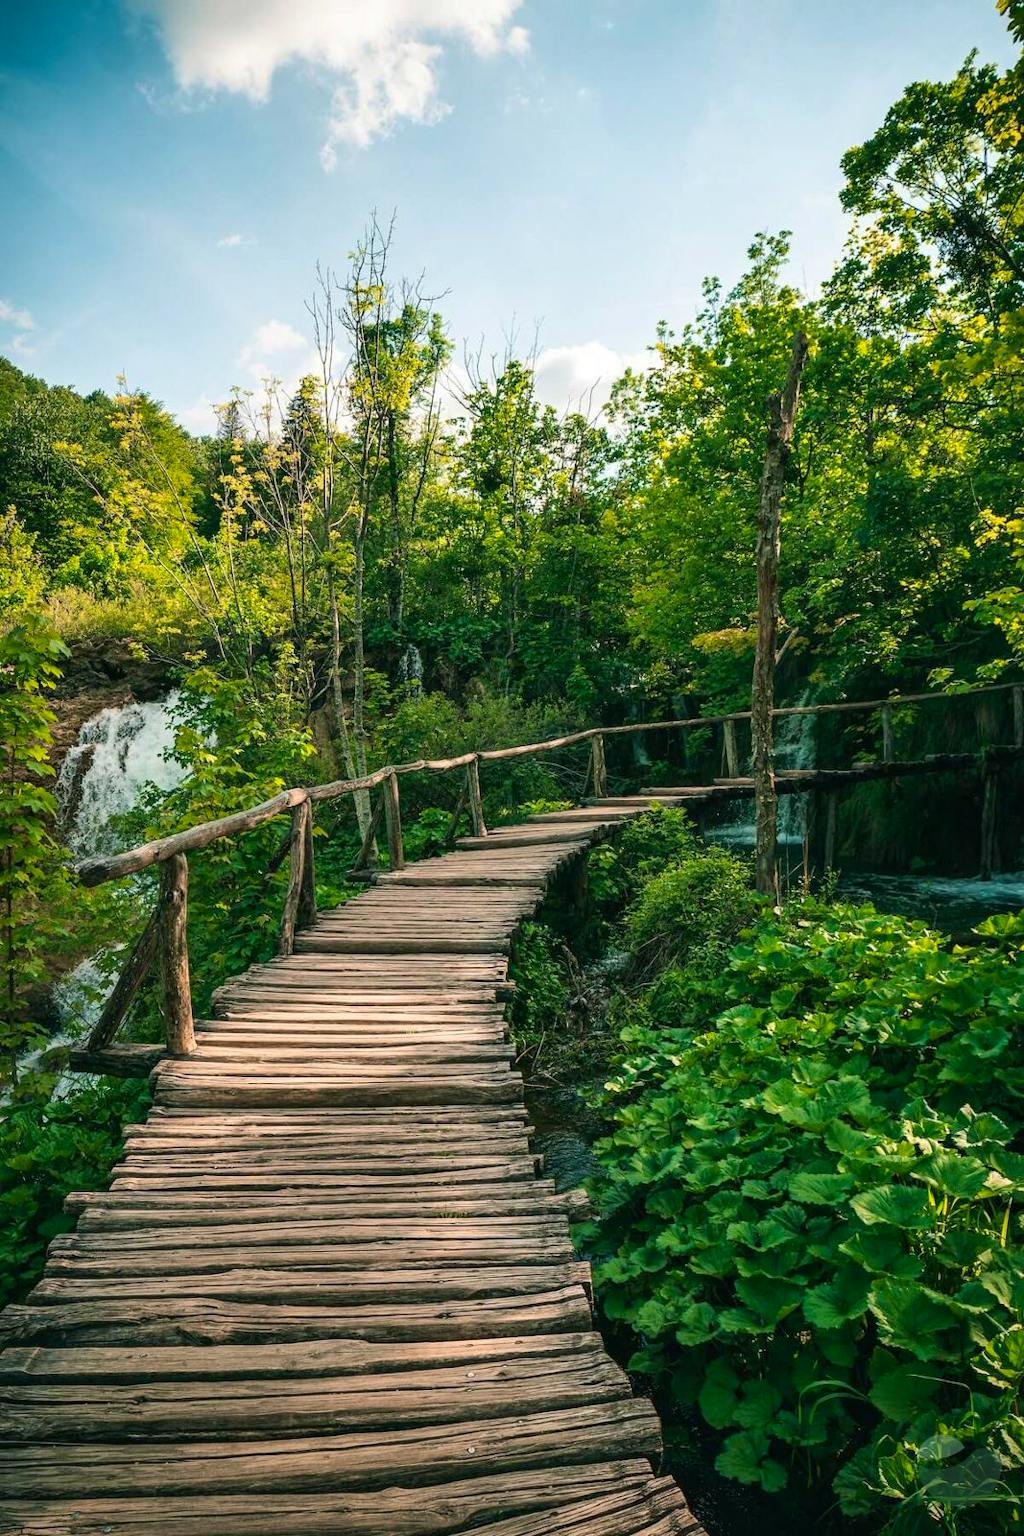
134, 972
989, 861
476, 804
296, 879
130, 1060
887, 745
173, 919
831, 806
453, 826
368, 852
598, 767
731, 752
393, 819
307, 893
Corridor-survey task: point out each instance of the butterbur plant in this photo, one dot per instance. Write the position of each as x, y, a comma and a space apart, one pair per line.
809, 1212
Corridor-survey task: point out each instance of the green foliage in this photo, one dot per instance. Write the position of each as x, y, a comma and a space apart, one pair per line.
808, 1207
48, 1148
692, 912
29, 867
543, 971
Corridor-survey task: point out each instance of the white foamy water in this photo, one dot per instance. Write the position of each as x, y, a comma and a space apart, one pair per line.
795, 747
118, 753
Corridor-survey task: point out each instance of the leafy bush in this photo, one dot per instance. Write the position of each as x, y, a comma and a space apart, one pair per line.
807, 1211
46, 1151
692, 912
645, 846
542, 969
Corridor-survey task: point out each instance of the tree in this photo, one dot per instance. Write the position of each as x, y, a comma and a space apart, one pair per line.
782, 408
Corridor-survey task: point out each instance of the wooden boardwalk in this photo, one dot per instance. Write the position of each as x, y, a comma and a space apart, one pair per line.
327, 1290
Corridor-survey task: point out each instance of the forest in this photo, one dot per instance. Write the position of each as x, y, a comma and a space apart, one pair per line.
808, 1168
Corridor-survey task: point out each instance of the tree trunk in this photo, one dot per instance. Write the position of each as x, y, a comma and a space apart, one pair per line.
173, 908
782, 416
396, 575
361, 798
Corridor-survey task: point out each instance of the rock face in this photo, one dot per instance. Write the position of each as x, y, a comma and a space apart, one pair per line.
96, 666
102, 674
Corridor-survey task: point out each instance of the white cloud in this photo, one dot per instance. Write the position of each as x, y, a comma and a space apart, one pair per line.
581, 377
272, 339
230, 240
200, 418
382, 54
19, 318
276, 350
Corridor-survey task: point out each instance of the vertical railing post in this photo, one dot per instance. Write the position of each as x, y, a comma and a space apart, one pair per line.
476, 804
173, 923
887, 754
732, 755
829, 858
293, 900
989, 823
393, 819
598, 767
307, 891
1018, 717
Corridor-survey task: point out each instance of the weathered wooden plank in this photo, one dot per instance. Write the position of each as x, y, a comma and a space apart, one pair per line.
91, 1410
341, 1287
129, 1254
176, 1317
306, 1360
397, 1511
614, 1430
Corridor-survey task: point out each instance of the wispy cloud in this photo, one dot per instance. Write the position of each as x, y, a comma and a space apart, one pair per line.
580, 377
382, 57
232, 240
20, 319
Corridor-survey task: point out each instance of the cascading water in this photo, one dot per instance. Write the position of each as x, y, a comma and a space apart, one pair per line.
119, 753
795, 747
410, 668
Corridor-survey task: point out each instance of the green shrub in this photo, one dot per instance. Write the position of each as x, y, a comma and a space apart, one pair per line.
619, 870
692, 912
808, 1212
48, 1149
542, 969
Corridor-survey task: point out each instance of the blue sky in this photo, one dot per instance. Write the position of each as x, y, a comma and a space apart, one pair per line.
171, 170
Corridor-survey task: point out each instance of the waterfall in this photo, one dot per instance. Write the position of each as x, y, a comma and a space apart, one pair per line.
795, 747
119, 753
410, 668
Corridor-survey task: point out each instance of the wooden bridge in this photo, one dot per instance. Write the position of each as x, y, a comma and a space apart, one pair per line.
329, 1289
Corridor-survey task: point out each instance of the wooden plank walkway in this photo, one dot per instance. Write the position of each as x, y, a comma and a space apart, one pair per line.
327, 1290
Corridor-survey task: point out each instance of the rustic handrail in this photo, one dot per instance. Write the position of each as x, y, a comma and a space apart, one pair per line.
116, 866
165, 937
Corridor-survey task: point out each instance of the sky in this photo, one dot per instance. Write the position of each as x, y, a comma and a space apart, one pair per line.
564, 172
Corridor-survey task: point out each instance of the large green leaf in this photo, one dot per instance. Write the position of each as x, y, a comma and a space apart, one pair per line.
838, 1301
902, 1393
745, 1458
893, 1205
953, 1174
821, 1188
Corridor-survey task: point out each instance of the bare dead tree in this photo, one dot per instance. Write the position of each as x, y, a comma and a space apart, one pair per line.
782, 409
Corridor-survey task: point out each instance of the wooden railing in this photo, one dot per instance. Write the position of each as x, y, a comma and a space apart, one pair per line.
165, 936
